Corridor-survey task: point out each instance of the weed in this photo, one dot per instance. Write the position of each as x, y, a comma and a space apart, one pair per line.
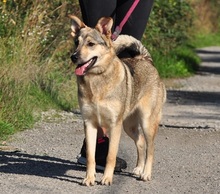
5, 130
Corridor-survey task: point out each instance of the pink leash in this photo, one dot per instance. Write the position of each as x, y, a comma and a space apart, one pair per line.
118, 29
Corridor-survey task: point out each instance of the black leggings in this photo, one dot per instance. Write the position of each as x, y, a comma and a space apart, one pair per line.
93, 10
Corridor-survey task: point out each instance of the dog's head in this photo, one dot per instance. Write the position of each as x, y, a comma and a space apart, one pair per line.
94, 49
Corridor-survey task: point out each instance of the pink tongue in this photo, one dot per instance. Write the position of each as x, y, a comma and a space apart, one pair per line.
81, 70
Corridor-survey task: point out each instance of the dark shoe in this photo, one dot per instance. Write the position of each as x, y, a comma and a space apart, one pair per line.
102, 146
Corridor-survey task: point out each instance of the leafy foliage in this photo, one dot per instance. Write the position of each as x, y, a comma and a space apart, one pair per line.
169, 25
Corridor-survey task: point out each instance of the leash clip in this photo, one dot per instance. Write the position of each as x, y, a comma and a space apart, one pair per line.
118, 29
116, 33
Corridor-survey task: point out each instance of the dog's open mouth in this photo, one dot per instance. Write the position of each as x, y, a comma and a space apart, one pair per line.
81, 69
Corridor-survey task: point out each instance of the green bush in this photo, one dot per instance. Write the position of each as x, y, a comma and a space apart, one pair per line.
180, 23
169, 25
167, 33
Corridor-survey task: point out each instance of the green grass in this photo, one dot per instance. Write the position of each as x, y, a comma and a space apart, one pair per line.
20, 111
29, 85
6, 129
205, 40
35, 71
181, 62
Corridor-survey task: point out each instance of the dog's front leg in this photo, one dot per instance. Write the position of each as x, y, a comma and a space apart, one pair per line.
114, 138
91, 135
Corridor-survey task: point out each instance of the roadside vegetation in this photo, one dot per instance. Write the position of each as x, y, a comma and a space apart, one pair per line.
36, 73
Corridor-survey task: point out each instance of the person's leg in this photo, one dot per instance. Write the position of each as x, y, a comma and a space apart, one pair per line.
137, 22
93, 10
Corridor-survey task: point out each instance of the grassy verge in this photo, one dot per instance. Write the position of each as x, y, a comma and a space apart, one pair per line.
29, 85
181, 62
35, 70
204, 40
20, 94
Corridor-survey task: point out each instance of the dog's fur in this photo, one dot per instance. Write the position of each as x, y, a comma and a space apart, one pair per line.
115, 93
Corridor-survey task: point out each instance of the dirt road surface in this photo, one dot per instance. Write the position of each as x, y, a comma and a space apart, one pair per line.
42, 160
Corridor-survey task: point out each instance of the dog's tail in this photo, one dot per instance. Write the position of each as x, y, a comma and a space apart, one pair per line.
130, 44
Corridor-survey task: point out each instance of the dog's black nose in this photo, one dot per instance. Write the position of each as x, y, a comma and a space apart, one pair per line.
74, 57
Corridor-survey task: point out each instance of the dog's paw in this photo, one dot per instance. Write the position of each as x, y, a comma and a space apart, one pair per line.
145, 177
106, 180
138, 171
89, 181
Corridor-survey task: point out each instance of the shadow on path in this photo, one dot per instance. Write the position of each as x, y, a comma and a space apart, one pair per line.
207, 70
209, 56
43, 166
198, 109
207, 51
193, 98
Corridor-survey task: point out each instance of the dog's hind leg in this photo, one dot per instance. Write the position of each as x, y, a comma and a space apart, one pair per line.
150, 127
131, 128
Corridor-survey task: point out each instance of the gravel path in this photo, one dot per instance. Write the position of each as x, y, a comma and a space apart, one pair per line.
42, 160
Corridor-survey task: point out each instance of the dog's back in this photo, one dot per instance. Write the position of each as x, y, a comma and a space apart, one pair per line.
145, 78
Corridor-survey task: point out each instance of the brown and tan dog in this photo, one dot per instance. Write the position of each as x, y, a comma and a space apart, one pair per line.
116, 94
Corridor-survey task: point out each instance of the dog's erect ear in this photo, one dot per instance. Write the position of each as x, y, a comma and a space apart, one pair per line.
104, 26
76, 25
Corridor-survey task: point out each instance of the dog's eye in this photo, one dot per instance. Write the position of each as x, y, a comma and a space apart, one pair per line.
91, 44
